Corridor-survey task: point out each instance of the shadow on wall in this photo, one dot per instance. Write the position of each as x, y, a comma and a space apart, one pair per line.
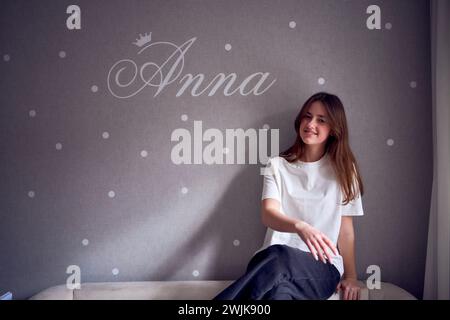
237, 212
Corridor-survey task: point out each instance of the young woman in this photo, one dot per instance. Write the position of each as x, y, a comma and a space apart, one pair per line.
310, 193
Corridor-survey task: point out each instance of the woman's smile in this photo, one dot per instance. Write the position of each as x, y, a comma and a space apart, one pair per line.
310, 133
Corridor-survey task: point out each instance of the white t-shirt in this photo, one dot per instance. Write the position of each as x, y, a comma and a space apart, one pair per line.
308, 191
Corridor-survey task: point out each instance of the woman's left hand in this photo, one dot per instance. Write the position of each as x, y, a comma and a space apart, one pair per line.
350, 289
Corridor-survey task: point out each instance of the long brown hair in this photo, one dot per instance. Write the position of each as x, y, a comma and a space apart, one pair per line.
337, 146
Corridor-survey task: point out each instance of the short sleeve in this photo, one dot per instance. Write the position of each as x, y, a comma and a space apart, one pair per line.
270, 185
353, 208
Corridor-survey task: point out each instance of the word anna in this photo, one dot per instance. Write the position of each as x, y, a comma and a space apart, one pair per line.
126, 78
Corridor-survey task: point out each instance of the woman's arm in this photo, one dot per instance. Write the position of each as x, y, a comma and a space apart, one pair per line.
346, 245
272, 217
317, 242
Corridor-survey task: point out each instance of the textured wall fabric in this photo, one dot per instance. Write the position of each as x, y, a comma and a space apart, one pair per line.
96, 99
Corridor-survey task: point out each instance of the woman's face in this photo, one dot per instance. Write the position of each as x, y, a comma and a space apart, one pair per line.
315, 127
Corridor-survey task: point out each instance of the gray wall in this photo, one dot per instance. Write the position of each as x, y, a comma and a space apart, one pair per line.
150, 229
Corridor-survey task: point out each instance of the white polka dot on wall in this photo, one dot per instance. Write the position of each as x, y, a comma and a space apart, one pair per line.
58, 146
32, 113
266, 127
321, 81
292, 24
31, 194
62, 54
228, 47
115, 271
413, 84
236, 243
195, 273
390, 142
184, 117
6, 57
85, 242
94, 88
226, 150
144, 153
388, 25
105, 135
184, 190
111, 194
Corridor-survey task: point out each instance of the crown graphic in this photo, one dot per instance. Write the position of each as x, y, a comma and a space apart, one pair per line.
143, 39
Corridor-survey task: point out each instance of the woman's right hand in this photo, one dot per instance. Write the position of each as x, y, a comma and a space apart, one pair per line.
317, 242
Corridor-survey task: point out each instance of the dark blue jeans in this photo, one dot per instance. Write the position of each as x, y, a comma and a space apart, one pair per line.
281, 272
